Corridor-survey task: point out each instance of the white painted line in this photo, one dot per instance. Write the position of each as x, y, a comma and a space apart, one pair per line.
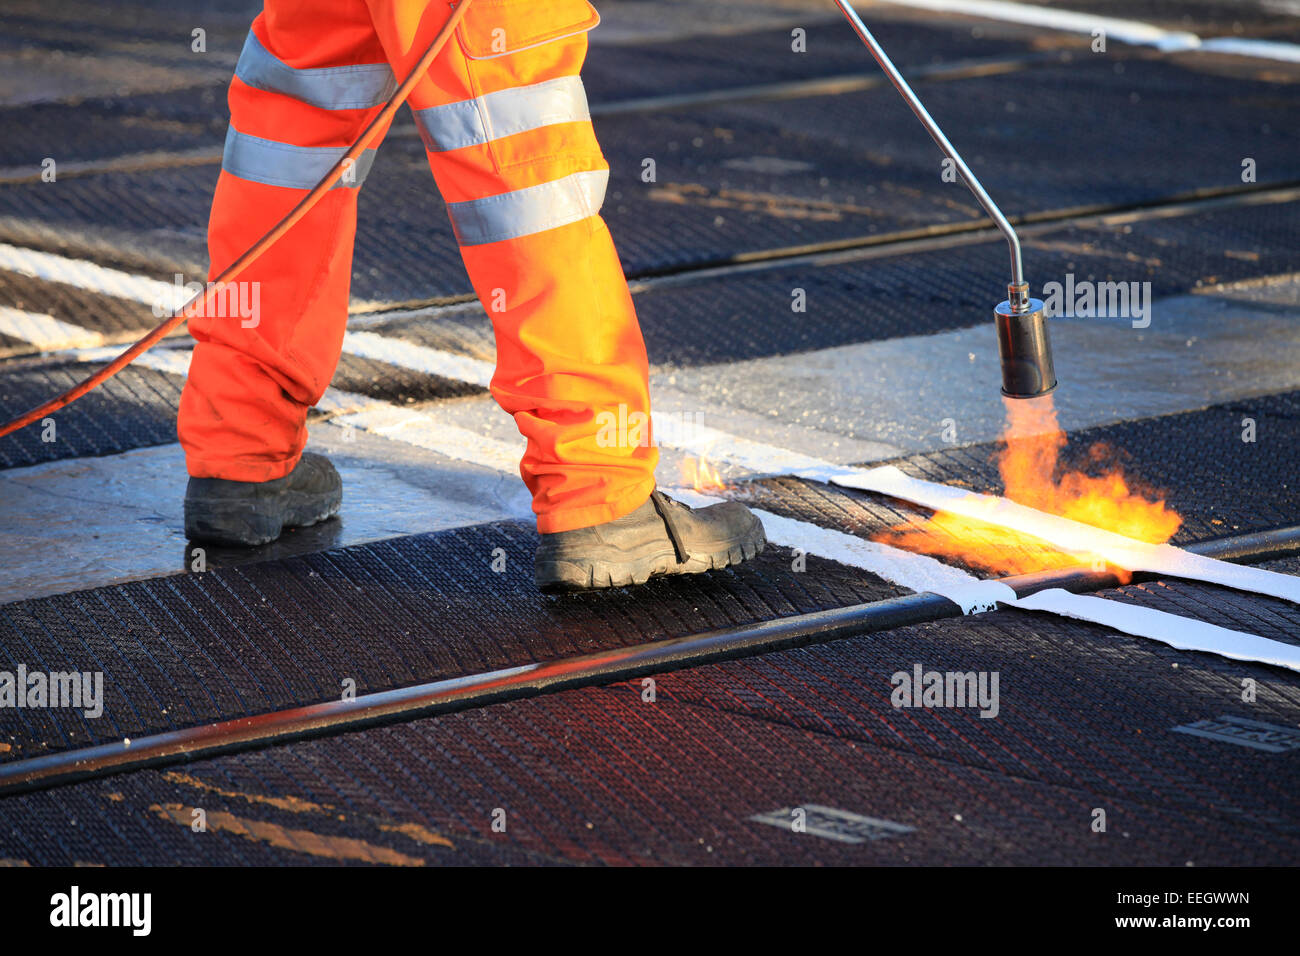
169, 296
757, 457
419, 358
45, 331
420, 429
91, 277
1132, 32
171, 361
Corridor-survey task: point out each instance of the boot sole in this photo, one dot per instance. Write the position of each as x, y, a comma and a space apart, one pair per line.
624, 570
223, 521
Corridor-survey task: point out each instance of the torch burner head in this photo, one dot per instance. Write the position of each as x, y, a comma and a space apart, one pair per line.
1023, 345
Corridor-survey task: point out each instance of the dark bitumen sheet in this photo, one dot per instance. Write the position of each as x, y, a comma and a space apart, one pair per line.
134, 409
690, 65
101, 129
1086, 722
180, 651
601, 776
747, 314
768, 175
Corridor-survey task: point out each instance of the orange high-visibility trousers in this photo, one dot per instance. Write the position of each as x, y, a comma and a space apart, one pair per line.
504, 119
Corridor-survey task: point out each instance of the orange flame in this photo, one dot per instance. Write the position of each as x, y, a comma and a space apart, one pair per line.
1098, 494
701, 475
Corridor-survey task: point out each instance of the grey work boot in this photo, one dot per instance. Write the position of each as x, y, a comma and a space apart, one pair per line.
662, 536
250, 513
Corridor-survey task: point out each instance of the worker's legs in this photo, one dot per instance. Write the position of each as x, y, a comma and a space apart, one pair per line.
505, 121
309, 78
504, 118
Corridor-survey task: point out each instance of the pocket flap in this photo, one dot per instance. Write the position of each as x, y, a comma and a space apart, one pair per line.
493, 28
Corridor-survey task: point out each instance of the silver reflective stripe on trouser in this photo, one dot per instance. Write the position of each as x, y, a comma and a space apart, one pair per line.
529, 210
330, 88
280, 164
504, 113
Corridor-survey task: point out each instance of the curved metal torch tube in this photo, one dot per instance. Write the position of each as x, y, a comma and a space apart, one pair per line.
973, 184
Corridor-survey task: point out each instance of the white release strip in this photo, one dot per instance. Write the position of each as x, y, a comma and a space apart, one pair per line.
1183, 633
1064, 533
920, 573
917, 572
